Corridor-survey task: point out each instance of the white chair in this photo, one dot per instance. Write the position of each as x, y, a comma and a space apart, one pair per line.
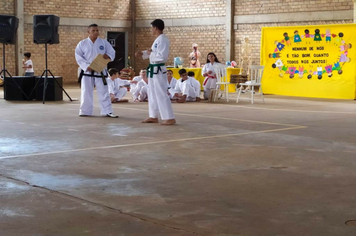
256, 73
222, 83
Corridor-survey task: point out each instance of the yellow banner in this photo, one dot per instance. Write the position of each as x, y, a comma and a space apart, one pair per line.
310, 61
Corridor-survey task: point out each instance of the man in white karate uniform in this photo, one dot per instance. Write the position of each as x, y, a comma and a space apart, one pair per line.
141, 91
171, 83
85, 52
185, 90
159, 103
117, 86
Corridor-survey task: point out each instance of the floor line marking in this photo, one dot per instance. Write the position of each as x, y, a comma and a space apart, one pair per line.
275, 109
156, 142
216, 117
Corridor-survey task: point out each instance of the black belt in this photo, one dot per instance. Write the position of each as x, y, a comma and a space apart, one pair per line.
92, 75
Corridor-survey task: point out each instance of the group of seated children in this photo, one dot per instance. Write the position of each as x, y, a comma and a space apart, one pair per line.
186, 89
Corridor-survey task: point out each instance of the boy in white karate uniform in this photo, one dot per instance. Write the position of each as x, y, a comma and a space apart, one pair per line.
196, 84
171, 83
116, 86
85, 52
185, 91
159, 103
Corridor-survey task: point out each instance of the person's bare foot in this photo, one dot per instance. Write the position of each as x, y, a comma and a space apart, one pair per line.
123, 100
168, 122
181, 100
150, 120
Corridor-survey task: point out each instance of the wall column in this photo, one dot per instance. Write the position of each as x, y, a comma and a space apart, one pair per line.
354, 11
229, 46
133, 33
20, 43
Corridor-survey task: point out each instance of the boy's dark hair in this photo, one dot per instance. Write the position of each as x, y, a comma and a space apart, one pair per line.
93, 25
158, 23
182, 71
27, 54
191, 73
170, 71
113, 71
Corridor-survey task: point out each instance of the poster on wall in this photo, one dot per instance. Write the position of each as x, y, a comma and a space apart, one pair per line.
310, 61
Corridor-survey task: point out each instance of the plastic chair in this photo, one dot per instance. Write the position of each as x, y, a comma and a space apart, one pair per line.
256, 73
222, 83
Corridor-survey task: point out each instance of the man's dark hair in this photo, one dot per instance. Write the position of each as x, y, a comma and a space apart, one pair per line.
191, 73
170, 71
27, 54
93, 25
182, 71
158, 23
113, 71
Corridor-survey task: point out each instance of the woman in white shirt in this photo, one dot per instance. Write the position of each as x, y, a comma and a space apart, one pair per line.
209, 73
28, 65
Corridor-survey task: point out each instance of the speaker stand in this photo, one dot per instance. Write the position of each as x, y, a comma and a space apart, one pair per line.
4, 71
45, 82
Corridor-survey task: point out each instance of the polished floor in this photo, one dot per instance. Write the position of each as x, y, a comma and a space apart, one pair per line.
286, 167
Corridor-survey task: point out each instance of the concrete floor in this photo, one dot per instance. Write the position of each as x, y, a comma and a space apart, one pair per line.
286, 167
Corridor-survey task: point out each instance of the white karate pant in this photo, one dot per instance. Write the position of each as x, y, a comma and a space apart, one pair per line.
143, 94
189, 91
121, 93
159, 103
86, 97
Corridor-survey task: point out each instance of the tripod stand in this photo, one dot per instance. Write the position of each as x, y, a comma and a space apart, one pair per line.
4, 71
45, 82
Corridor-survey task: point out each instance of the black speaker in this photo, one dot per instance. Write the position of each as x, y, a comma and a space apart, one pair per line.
53, 91
12, 92
45, 29
8, 29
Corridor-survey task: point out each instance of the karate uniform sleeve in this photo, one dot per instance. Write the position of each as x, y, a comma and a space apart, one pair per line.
204, 70
174, 82
111, 85
79, 57
110, 51
122, 82
177, 87
145, 55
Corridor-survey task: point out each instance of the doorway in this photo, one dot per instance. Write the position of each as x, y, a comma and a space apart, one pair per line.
119, 41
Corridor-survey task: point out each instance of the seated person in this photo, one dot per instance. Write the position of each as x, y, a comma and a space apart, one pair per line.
185, 90
171, 83
141, 92
195, 83
143, 74
116, 86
